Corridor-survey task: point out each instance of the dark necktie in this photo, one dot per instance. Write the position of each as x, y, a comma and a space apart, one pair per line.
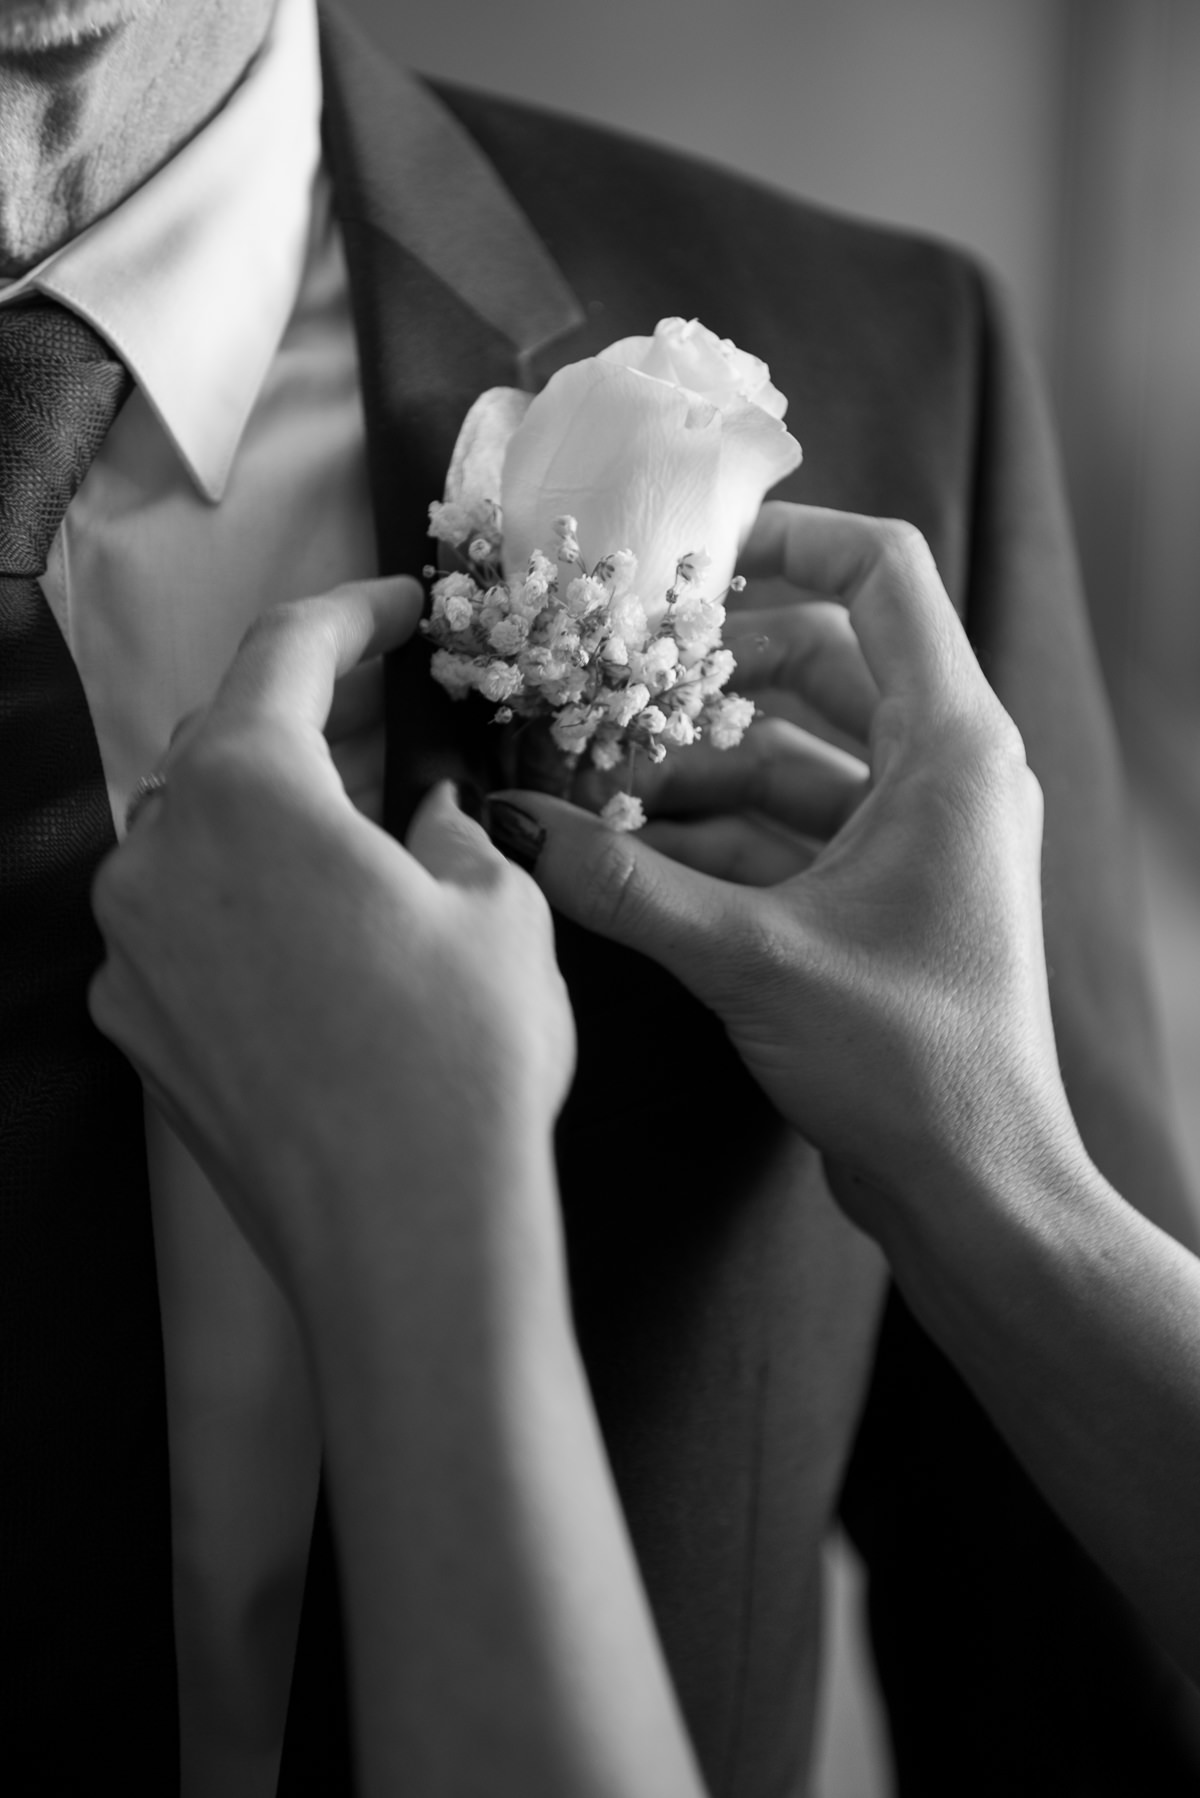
84, 1531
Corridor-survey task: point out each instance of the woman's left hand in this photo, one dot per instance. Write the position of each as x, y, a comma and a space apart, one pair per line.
886, 987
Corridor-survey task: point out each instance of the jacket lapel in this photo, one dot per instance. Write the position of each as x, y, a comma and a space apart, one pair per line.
452, 292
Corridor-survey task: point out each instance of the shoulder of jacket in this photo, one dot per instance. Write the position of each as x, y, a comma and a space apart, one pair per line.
615, 177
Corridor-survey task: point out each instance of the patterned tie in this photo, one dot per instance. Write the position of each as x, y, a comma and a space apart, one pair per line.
85, 1627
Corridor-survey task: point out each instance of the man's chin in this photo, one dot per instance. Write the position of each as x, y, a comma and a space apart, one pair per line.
30, 28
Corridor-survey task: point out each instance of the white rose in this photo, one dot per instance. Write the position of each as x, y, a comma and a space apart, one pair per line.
663, 445
689, 355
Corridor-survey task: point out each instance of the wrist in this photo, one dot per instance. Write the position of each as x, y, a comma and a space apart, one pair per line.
462, 1234
979, 1129
969, 1226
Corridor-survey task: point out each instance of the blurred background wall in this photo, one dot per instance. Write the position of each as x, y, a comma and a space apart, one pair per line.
1061, 140
939, 113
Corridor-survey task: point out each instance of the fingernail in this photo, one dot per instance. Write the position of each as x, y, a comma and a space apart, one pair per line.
516, 833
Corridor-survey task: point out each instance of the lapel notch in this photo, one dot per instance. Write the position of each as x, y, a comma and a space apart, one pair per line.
452, 292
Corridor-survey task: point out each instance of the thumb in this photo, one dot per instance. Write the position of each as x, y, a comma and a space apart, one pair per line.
616, 885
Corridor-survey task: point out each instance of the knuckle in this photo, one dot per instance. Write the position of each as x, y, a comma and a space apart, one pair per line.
222, 772
269, 623
610, 884
900, 542
982, 735
993, 764
757, 946
320, 615
1008, 752
204, 766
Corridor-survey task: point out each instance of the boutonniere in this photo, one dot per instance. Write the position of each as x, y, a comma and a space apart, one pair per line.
594, 530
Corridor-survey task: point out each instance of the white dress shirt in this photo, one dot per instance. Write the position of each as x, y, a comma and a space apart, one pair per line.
235, 476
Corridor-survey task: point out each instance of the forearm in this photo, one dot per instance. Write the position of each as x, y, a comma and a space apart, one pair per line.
1077, 1322
500, 1640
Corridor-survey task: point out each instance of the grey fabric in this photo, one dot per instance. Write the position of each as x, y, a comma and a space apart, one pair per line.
60, 389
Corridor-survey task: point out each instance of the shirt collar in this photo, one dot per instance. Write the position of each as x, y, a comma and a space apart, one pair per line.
193, 277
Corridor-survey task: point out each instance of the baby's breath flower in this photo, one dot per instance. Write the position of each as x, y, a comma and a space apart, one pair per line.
577, 649
625, 704
628, 616
448, 522
574, 728
688, 698
455, 586
527, 597
606, 753
678, 730
454, 672
655, 663
716, 670
620, 569
693, 567
498, 680
729, 720
624, 812
508, 634
697, 624
568, 543
585, 595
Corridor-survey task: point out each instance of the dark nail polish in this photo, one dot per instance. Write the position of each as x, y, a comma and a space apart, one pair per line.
516, 834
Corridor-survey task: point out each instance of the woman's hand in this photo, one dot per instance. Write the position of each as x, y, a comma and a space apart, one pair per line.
321, 1012
890, 996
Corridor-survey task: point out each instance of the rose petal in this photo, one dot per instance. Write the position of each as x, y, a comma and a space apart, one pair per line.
687, 353
475, 471
641, 466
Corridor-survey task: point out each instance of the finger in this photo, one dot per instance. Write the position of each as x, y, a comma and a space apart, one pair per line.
448, 844
746, 850
808, 650
777, 769
824, 554
623, 889
291, 657
911, 637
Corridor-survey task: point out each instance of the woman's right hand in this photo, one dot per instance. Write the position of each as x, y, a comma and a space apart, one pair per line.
891, 995
326, 1017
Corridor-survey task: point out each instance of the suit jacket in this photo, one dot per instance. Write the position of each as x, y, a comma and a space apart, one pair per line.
693, 1218
487, 244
